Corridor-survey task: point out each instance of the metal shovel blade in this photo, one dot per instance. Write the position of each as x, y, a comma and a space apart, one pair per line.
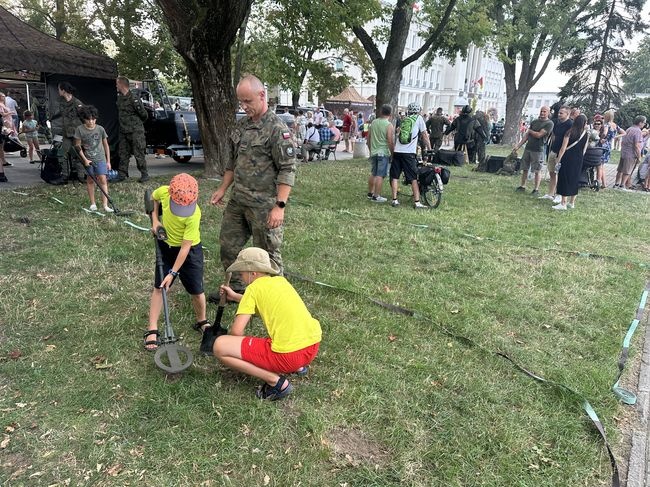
173, 358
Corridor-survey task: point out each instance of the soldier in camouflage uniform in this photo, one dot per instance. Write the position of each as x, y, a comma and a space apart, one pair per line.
132, 114
68, 106
262, 167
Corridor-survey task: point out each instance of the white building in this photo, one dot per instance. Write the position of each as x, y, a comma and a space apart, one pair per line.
537, 100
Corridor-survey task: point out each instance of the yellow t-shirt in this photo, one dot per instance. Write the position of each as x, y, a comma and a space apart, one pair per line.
285, 316
178, 229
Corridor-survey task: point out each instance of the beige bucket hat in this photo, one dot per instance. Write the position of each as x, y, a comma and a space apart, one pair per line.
254, 259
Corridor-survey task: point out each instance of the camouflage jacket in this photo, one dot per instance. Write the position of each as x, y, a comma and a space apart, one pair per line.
131, 112
69, 116
262, 156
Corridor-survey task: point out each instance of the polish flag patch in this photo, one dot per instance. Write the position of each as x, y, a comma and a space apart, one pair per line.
286, 135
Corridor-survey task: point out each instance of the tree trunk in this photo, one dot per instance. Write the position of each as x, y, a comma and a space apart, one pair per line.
601, 61
203, 36
241, 38
514, 109
388, 85
295, 98
60, 27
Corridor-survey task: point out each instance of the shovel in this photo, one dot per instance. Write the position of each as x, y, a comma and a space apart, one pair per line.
216, 330
170, 356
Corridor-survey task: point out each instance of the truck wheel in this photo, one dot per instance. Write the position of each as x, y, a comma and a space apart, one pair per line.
182, 159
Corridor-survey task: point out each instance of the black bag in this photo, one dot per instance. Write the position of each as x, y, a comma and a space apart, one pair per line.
494, 163
426, 175
449, 158
50, 166
445, 174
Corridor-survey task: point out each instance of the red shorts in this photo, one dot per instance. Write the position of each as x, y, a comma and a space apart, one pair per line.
258, 352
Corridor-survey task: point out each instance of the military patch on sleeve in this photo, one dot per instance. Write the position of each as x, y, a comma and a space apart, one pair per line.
286, 135
289, 151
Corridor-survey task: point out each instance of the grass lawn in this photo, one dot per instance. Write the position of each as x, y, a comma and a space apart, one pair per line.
390, 400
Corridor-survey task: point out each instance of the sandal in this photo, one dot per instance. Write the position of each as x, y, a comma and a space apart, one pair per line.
199, 324
302, 371
275, 392
155, 342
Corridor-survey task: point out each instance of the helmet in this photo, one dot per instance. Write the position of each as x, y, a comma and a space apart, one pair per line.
466, 109
413, 108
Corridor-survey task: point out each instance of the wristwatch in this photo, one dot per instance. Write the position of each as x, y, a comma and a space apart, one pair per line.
173, 273
280, 204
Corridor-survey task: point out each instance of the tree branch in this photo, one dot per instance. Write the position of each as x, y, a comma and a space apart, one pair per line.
369, 46
434, 36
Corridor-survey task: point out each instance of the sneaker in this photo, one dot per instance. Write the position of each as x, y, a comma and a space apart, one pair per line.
418, 205
559, 207
557, 199
534, 192
3, 178
394, 203
520, 189
546, 197
369, 196
302, 371
570, 205
93, 207
7, 164
108, 209
379, 199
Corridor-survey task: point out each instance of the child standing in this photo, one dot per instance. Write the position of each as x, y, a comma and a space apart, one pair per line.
294, 335
92, 143
30, 129
182, 252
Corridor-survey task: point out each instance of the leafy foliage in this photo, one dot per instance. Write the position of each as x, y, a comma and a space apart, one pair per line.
636, 106
637, 66
598, 57
287, 40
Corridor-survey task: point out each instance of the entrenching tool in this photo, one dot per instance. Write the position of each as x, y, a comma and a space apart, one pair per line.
170, 356
210, 334
110, 201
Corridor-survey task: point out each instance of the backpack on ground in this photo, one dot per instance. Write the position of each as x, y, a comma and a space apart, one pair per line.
406, 129
50, 166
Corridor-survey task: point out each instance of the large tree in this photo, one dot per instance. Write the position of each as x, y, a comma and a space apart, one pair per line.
528, 34
596, 62
447, 27
203, 33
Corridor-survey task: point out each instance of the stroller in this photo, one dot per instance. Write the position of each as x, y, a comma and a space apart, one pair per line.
590, 163
11, 143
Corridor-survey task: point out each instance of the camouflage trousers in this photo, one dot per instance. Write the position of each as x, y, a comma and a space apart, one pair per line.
241, 222
69, 160
132, 143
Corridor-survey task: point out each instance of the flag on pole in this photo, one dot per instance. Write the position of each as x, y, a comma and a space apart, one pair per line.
480, 82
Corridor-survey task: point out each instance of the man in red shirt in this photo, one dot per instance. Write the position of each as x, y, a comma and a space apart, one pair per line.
348, 121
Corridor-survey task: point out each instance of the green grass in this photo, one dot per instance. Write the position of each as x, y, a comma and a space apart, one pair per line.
390, 400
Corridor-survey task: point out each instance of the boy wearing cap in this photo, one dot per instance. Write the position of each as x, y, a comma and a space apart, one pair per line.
182, 252
294, 335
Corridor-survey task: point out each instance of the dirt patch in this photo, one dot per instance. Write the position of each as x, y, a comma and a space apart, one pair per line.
353, 447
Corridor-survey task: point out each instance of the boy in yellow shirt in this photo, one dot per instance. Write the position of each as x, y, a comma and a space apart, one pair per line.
182, 252
294, 335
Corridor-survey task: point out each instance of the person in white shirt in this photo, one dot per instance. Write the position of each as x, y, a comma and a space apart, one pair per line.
404, 155
318, 117
311, 142
13, 108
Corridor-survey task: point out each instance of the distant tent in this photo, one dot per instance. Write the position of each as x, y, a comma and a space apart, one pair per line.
351, 99
30, 51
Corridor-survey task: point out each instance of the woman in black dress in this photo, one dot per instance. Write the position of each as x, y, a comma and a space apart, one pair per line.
569, 159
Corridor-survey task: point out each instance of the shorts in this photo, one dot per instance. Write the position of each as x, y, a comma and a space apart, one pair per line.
98, 169
531, 160
346, 135
626, 166
379, 165
190, 273
406, 163
31, 136
552, 160
257, 351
